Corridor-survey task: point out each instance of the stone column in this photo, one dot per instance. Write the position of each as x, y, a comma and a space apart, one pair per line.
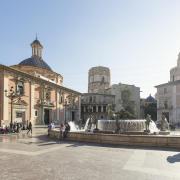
101, 108
42, 102
97, 108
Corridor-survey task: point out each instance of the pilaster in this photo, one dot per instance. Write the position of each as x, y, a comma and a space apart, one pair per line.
32, 102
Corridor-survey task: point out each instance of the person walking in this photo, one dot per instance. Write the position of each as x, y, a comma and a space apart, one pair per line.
29, 128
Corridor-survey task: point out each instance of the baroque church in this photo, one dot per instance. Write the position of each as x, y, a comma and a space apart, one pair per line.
32, 91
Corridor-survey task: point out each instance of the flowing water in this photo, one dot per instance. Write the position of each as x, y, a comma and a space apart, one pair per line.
137, 125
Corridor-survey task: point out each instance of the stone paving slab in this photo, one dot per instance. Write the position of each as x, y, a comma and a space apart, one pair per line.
39, 158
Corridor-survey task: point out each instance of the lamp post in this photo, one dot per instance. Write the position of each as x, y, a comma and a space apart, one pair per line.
11, 95
65, 105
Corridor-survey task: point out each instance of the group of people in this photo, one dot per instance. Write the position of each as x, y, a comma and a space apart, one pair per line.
64, 129
15, 127
4, 129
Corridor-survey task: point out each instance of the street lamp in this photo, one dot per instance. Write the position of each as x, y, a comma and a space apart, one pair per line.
65, 105
12, 95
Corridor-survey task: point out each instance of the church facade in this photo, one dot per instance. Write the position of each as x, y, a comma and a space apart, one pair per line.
32, 91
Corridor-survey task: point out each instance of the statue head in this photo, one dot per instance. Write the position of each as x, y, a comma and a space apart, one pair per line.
148, 116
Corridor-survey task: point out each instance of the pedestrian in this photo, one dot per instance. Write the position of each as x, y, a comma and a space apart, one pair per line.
49, 128
29, 128
62, 129
67, 129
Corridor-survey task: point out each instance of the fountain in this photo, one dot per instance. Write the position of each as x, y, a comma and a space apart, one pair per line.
135, 126
126, 126
73, 126
139, 132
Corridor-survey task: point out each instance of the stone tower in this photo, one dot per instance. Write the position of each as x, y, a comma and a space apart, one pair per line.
98, 79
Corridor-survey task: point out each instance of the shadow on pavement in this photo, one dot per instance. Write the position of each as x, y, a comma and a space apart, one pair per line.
174, 158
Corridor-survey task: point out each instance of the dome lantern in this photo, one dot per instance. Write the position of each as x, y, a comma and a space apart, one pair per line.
36, 48
36, 59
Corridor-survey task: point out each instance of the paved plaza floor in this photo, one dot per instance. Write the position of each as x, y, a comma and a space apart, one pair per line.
24, 157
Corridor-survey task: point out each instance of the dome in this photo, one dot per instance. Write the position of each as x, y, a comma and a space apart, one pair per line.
150, 99
36, 62
36, 42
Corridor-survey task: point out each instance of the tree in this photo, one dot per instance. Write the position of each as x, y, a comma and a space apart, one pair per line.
151, 109
110, 111
127, 103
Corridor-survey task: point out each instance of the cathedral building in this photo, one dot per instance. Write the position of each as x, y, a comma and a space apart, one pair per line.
32, 91
103, 97
96, 102
168, 97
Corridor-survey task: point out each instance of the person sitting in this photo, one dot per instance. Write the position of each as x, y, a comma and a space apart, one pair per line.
50, 126
67, 129
62, 130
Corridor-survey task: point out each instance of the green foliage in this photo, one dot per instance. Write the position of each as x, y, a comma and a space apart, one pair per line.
127, 104
151, 109
110, 111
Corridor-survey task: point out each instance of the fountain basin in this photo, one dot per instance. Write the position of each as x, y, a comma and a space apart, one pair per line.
137, 125
121, 139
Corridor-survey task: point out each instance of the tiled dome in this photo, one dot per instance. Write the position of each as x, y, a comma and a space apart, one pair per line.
36, 62
150, 99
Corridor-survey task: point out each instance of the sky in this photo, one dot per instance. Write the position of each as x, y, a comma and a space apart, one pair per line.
139, 40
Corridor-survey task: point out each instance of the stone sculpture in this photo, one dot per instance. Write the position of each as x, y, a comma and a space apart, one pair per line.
147, 122
164, 125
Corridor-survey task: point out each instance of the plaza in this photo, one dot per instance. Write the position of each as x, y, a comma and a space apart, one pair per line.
85, 92
38, 157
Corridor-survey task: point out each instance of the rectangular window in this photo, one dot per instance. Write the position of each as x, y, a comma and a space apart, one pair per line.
165, 104
165, 90
99, 108
86, 109
94, 108
18, 114
82, 109
36, 113
90, 99
104, 108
